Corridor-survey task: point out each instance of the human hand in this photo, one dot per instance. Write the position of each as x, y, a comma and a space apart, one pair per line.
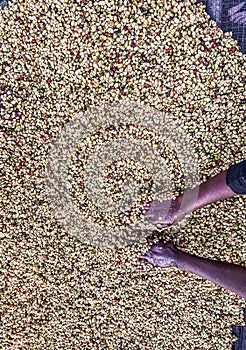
163, 214
160, 254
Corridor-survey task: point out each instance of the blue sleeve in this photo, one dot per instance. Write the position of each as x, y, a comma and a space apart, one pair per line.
236, 177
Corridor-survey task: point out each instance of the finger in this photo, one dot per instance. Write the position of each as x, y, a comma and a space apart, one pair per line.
150, 239
160, 224
160, 243
151, 204
143, 257
146, 206
153, 213
143, 261
148, 215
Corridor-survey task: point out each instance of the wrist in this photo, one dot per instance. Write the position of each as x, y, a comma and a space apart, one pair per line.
186, 203
180, 260
176, 203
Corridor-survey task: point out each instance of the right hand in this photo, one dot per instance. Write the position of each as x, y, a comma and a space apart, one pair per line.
163, 214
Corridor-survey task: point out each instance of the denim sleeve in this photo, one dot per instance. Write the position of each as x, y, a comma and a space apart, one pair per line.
236, 177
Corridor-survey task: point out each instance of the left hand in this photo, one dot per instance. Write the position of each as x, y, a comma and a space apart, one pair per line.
160, 254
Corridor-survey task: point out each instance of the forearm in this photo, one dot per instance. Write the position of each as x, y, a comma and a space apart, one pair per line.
226, 275
213, 190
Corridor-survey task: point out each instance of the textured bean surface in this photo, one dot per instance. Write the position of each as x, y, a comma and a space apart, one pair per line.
61, 58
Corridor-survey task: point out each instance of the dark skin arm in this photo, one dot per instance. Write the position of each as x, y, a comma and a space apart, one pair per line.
226, 275
213, 190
